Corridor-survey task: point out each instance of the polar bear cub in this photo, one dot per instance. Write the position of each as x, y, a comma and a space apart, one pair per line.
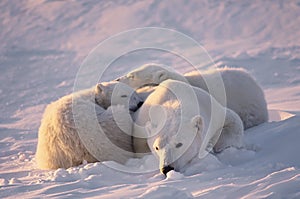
242, 93
82, 127
180, 122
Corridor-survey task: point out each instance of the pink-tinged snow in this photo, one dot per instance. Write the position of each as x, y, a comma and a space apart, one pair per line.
44, 42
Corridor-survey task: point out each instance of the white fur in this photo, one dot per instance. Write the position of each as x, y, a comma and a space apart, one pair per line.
70, 130
149, 74
178, 113
243, 94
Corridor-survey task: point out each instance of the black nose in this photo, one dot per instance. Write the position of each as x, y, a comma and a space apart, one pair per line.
140, 104
136, 107
118, 79
166, 169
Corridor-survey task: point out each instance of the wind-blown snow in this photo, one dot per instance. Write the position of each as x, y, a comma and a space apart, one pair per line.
44, 42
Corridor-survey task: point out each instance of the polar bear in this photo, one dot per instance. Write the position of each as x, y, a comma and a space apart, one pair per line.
243, 94
149, 74
180, 122
82, 127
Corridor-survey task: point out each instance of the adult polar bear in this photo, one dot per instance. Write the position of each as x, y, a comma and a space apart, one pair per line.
73, 123
181, 125
243, 94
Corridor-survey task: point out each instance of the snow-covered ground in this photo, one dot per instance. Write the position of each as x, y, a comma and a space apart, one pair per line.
43, 44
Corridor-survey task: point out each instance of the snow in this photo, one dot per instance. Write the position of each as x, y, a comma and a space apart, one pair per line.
44, 42
173, 175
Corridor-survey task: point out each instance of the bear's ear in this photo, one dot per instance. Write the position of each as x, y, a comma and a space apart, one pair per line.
98, 88
160, 76
197, 123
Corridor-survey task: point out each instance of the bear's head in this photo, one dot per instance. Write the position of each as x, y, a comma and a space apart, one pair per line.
148, 74
176, 146
117, 93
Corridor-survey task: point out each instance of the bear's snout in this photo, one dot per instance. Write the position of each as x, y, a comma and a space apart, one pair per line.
166, 169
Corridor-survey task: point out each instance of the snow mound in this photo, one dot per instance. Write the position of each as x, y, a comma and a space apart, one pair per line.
234, 157
276, 115
207, 164
173, 175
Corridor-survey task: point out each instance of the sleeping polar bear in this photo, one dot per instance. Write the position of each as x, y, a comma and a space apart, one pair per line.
180, 122
243, 94
82, 127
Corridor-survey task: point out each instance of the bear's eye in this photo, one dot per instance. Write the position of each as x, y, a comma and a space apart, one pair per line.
156, 148
178, 145
123, 96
